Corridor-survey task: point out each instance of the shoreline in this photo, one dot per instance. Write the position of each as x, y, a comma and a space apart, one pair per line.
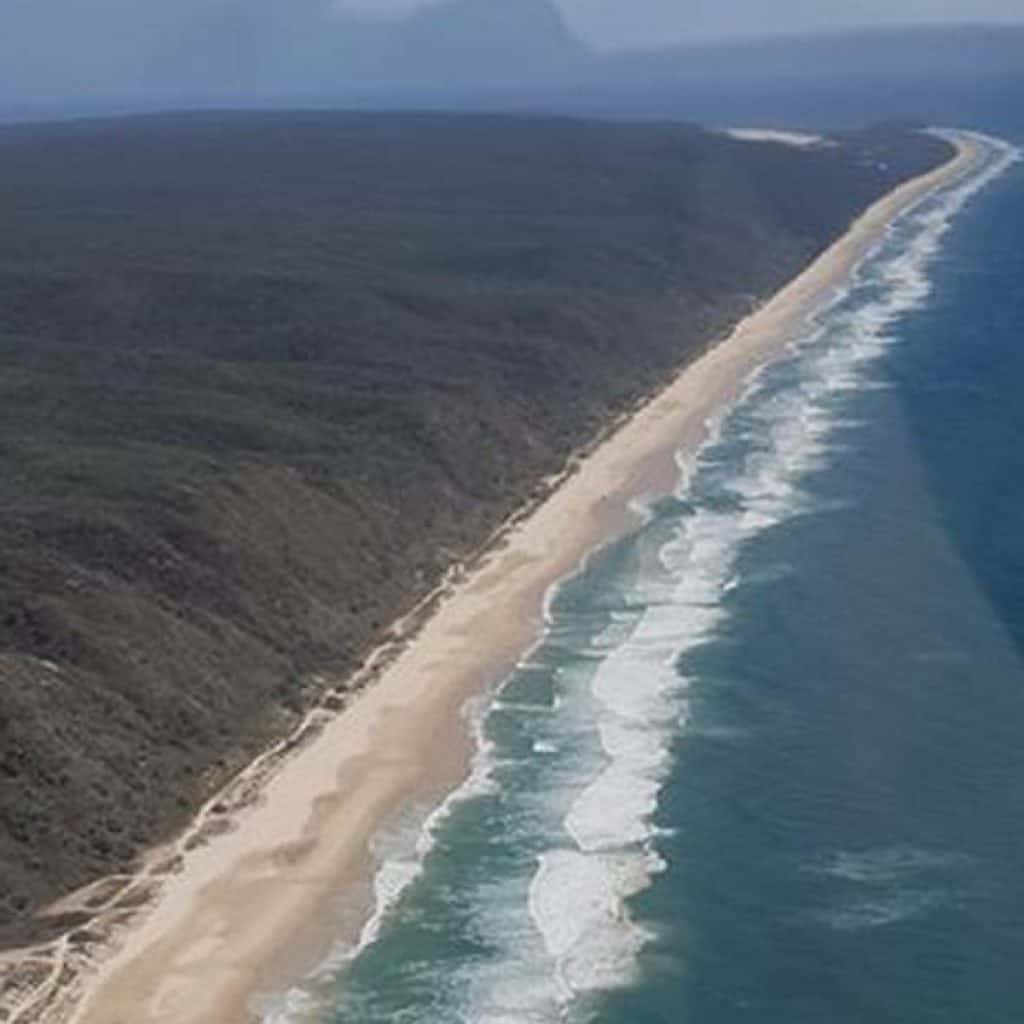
248, 901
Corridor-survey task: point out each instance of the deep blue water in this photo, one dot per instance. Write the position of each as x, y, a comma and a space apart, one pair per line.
768, 762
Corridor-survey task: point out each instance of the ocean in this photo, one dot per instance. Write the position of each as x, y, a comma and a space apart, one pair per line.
767, 763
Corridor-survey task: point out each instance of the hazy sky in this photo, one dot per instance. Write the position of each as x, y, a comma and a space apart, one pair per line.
56, 50
612, 23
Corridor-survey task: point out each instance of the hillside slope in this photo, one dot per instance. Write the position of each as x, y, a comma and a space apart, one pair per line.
263, 377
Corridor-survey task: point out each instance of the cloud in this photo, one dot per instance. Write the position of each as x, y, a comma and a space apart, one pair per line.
379, 9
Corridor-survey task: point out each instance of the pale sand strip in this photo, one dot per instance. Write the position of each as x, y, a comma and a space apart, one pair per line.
799, 139
254, 908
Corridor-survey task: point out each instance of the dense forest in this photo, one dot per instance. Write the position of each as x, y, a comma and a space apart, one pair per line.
264, 377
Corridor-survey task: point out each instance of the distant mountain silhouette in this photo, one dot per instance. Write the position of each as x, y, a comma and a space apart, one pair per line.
267, 51
455, 46
493, 55
458, 46
490, 39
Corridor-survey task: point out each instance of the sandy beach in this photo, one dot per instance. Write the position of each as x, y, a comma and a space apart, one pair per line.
252, 899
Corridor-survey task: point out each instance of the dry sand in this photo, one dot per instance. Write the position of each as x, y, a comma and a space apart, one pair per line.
252, 909
799, 139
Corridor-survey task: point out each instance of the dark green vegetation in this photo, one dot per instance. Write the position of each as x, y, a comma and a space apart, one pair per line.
263, 376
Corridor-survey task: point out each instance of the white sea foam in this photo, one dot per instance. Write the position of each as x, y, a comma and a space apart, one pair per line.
578, 903
291, 1007
891, 884
523, 709
883, 865
883, 910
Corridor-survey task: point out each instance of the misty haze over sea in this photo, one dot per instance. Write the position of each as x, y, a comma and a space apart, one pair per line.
522, 55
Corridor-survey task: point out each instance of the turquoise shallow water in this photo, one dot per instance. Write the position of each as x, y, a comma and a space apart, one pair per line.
766, 763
